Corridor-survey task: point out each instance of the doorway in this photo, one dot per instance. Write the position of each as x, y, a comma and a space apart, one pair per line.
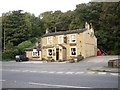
57, 53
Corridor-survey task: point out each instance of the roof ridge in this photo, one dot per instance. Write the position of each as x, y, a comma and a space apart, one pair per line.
64, 32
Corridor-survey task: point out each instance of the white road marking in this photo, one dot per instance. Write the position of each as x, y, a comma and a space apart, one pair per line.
79, 72
33, 71
102, 73
43, 71
115, 74
65, 86
90, 72
52, 72
2, 80
14, 70
25, 71
59, 72
69, 72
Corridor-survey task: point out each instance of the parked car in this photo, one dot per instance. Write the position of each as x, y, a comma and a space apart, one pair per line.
20, 58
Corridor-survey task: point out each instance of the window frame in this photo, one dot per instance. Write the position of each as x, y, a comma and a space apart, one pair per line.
71, 51
48, 52
60, 40
35, 51
49, 40
72, 38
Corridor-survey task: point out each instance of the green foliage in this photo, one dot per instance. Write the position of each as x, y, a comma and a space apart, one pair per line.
79, 58
43, 59
24, 45
33, 40
10, 54
21, 26
11, 51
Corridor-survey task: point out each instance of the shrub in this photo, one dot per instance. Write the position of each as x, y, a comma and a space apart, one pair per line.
79, 58
60, 60
52, 60
24, 45
72, 61
10, 54
43, 59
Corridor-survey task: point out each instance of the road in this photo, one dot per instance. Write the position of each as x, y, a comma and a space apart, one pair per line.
58, 75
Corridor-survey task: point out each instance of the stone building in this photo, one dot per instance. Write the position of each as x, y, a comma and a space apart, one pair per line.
66, 45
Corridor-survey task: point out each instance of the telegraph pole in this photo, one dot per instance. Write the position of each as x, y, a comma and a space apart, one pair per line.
4, 39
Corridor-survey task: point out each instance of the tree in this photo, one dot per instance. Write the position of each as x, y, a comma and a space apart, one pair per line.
16, 27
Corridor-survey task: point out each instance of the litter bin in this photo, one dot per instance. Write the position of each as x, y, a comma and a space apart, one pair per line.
113, 63
110, 63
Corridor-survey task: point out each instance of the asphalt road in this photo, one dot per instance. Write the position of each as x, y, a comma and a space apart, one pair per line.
58, 75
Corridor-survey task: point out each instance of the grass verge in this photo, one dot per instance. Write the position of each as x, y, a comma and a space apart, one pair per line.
100, 70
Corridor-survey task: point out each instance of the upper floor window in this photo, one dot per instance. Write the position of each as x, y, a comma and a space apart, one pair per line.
49, 40
60, 39
65, 39
72, 38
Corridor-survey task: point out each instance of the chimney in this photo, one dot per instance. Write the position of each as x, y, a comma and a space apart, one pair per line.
55, 30
91, 26
47, 31
87, 26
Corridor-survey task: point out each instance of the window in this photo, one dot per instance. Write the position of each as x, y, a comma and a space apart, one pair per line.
60, 39
72, 38
65, 39
49, 40
35, 53
73, 51
49, 52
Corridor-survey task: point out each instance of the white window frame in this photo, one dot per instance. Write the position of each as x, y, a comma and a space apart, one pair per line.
35, 51
72, 38
71, 51
48, 52
49, 40
60, 39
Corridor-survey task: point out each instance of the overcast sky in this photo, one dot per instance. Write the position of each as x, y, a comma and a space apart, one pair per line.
39, 6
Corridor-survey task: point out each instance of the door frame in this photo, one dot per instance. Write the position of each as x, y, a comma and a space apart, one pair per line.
57, 54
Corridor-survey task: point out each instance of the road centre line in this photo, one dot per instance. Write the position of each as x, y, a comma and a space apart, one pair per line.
51, 72
79, 72
69, 72
25, 71
59, 72
65, 86
33, 71
90, 72
43, 71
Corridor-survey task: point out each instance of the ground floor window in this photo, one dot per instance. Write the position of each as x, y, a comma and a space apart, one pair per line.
73, 51
35, 53
49, 52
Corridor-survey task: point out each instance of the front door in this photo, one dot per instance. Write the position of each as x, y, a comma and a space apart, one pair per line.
57, 54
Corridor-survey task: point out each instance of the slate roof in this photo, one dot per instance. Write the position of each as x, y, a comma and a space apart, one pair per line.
64, 32
31, 49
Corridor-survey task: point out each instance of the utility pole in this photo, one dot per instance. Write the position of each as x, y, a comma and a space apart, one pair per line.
4, 40
55, 29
